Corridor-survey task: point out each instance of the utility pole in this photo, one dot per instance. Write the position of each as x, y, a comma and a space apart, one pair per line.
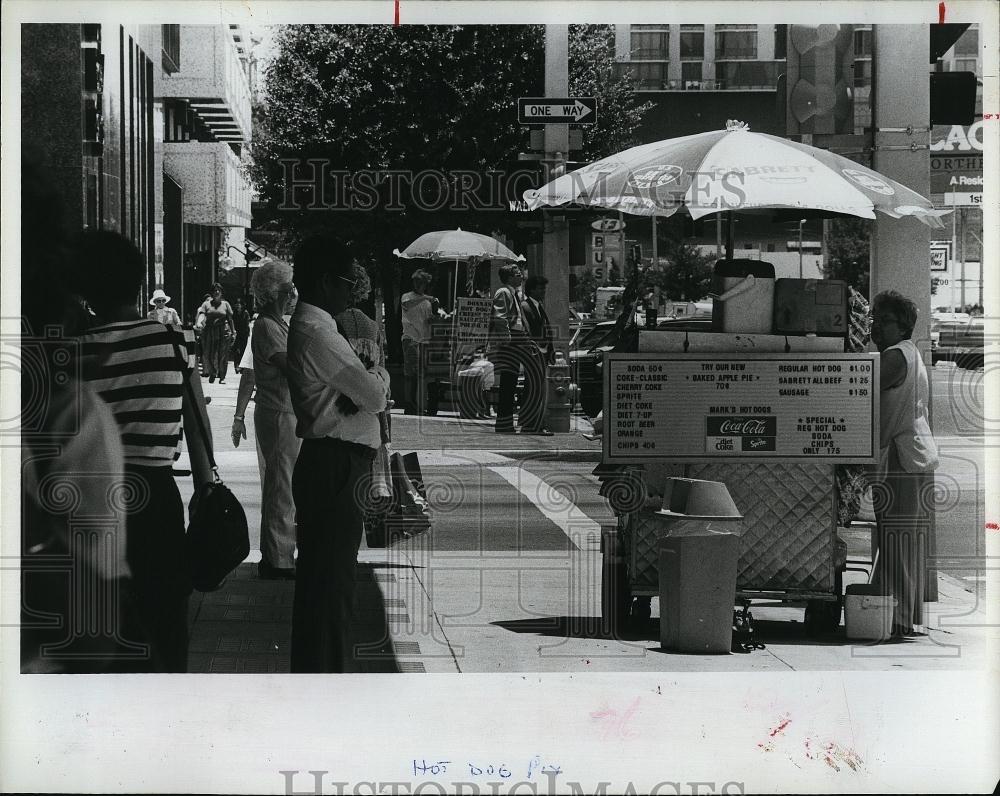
901, 137
555, 230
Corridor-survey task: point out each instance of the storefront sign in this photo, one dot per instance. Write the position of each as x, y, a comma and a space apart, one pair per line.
957, 164
781, 407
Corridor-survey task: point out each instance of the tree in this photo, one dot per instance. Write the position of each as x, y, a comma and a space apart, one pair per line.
436, 102
688, 275
848, 251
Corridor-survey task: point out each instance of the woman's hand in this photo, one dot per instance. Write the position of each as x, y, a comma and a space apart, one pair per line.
239, 430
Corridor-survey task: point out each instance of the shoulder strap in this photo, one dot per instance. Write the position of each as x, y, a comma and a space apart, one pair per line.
189, 396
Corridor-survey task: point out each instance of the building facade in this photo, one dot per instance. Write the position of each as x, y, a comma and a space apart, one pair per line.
144, 129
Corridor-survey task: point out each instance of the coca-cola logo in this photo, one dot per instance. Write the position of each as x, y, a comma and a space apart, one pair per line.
749, 426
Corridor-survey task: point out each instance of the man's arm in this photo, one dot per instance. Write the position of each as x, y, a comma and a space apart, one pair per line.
336, 363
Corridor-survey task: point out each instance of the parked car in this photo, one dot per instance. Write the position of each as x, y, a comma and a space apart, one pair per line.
959, 341
585, 355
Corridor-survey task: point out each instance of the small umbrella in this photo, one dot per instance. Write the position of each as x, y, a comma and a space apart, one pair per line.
733, 170
454, 245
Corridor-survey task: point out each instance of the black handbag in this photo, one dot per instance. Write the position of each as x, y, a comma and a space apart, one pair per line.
217, 539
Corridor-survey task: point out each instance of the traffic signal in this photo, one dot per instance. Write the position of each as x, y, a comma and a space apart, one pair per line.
819, 80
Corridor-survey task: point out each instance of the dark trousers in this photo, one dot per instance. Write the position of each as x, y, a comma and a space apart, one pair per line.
510, 357
157, 597
328, 484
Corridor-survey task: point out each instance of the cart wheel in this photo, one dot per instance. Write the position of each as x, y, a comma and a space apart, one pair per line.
615, 595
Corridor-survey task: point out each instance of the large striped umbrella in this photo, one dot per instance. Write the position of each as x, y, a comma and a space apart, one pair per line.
733, 170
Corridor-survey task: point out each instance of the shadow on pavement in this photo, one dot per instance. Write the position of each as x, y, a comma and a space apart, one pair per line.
245, 627
583, 627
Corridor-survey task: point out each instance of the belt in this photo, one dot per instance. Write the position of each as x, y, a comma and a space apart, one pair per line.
331, 442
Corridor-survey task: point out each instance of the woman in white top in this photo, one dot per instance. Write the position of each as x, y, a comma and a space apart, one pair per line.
903, 494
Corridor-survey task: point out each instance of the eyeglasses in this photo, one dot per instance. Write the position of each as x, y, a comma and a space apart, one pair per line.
351, 282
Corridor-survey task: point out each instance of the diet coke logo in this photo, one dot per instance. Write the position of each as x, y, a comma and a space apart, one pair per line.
749, 427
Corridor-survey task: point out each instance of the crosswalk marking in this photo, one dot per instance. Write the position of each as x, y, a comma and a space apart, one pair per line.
555, 506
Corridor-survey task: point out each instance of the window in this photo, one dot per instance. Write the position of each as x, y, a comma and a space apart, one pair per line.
862, 73
968, 43
692, 42
650, 76
862, 42
735, 42
747, 74
650, 56
171, 48
691, 73
650, 43
780, 42
965, 65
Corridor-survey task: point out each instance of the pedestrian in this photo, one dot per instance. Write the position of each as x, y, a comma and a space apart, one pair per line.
512, 348
368, 341
161, 312
336, 401
540, 331
138, 367
417, 309
241, 323
74, 574
903, 485
273, 418
217, 334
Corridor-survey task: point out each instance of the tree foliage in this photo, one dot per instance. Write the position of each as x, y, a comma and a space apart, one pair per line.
848, 246
686, 277
364, 98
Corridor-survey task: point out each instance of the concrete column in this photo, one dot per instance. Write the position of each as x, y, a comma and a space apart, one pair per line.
900, 251
555, 234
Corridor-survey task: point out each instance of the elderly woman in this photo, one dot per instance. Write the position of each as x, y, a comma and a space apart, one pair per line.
216, 318
161, 312
368, 342
273, 417
902, 495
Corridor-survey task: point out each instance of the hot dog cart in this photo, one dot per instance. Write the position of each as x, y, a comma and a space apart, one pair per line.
771, 416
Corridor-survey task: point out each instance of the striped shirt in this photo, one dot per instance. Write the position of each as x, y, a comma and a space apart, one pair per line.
136, 368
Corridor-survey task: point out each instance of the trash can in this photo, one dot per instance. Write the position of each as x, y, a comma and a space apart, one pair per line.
698, 558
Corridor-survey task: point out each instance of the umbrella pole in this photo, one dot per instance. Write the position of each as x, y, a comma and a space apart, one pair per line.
454, 295
729, 235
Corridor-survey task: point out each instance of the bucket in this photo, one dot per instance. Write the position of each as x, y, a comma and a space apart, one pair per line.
743, 296
867, 612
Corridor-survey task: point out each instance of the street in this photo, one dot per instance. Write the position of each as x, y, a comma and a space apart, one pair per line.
508, 578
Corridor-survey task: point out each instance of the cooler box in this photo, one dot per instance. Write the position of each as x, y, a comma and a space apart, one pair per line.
867, 613
743, 296
810, 306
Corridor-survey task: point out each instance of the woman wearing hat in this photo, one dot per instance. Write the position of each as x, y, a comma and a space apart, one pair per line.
161, 312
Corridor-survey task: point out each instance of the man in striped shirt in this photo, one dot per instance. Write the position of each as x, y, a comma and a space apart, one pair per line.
138, 366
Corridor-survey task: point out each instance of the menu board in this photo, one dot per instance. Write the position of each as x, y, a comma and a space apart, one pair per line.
472, 319
711, 407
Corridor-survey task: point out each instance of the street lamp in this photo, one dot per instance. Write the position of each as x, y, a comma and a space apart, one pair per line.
248, 257
801, 222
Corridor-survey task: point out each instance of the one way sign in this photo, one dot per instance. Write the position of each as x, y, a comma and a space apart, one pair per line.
557, 110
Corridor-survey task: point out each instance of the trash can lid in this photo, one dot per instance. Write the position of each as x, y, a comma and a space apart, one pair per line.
695, 499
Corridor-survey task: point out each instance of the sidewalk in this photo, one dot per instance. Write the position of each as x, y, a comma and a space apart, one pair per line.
489, 611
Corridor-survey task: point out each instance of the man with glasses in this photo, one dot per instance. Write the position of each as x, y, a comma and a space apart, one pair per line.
336, 402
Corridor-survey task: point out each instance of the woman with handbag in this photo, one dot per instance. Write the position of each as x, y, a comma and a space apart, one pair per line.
140, 367
903, 486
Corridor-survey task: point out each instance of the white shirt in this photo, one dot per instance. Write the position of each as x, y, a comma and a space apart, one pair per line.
903, 416
322, 366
